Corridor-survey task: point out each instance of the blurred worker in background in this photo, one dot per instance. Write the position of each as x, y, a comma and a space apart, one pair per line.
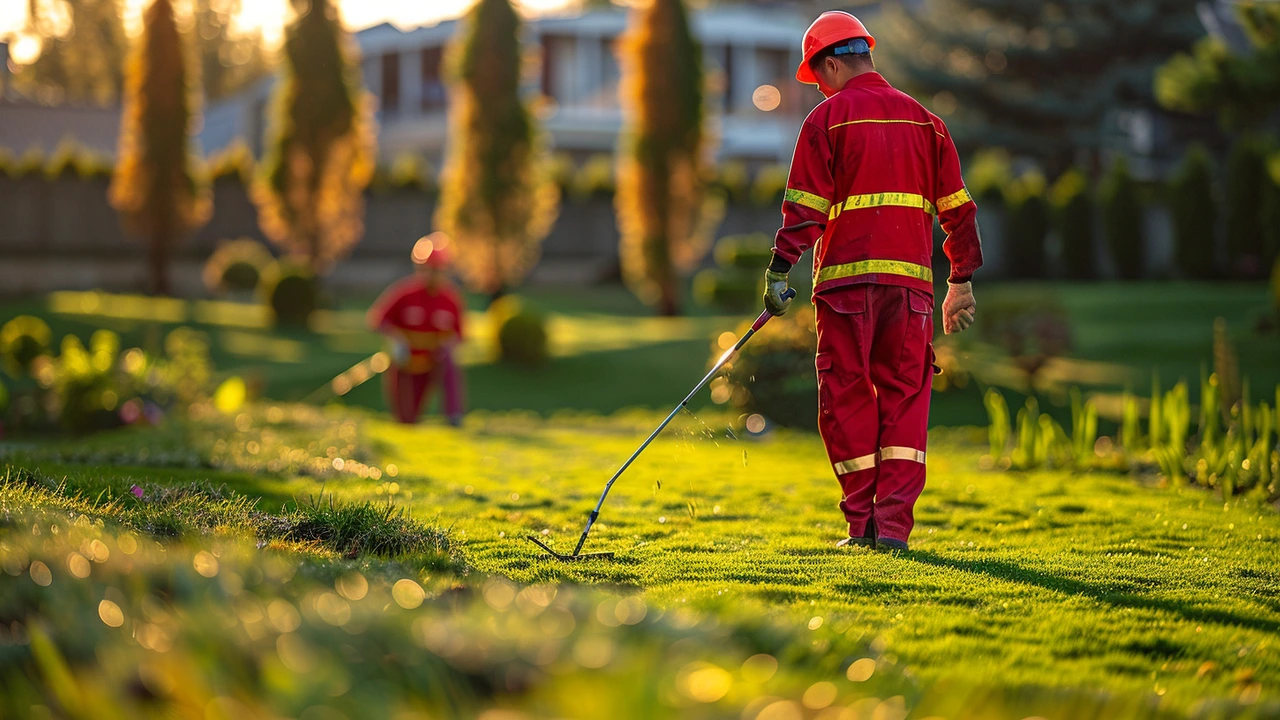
421, 316
872, 168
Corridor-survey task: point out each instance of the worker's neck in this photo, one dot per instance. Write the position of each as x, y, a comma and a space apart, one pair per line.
849, 74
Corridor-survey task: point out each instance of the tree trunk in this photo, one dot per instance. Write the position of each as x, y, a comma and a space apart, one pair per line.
158, 261
669, 303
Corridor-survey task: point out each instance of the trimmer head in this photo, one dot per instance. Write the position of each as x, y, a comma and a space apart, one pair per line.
569, 558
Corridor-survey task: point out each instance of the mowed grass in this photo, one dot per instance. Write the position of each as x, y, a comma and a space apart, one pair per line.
610, 353
1083, 583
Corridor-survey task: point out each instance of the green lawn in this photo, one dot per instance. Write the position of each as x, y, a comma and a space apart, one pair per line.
1045, 594
611, 354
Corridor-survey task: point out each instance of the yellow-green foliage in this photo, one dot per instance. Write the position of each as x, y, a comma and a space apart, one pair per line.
235, 162
661, 213
497, 198
236, 265
320, 159
155, 190
22, 340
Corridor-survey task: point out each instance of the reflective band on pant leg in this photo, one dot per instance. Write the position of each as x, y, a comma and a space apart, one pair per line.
902, 453
866, 462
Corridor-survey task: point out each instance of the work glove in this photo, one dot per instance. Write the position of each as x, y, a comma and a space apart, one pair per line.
959, 309
776, 300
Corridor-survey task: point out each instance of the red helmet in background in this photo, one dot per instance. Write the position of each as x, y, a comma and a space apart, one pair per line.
829, 29
433, 251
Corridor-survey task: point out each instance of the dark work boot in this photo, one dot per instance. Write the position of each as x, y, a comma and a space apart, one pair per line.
868, 539
891, 545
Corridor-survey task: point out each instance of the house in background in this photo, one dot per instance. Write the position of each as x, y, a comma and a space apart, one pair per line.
750, 55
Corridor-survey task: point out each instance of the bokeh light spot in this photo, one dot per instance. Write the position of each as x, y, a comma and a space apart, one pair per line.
759, 668
40, 574
407, 593
861, 670
110, 613
205, 564
766, 98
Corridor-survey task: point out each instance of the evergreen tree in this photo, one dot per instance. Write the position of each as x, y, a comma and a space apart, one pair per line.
1243, 89
497, 197
1036, 78
1028, 225
154, 188
1074, 212
82, 55
1124, 221
1247, 182
310, 195
660, 189
1195, 215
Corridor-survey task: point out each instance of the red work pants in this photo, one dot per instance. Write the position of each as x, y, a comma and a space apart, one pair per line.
407, 392
875, 369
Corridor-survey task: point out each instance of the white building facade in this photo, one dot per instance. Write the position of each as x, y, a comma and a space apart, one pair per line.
572, 73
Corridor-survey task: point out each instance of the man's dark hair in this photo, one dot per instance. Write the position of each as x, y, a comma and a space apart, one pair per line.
854, 53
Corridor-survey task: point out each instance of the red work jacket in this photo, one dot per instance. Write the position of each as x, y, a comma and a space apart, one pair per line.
872, 168
427, 319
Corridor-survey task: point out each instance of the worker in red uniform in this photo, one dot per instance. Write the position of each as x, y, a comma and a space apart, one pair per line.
872, 169
421, 316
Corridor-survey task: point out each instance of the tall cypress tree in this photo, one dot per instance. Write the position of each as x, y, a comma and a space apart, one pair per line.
1124, 221
659, 201
1037, 78
497, 198
310, 195
1247, 181
1195, 215
154, 189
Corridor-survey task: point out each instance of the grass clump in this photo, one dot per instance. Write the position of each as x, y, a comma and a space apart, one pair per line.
368, 528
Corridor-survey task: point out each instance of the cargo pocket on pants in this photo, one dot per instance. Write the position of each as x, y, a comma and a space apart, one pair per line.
917, 345
824, 364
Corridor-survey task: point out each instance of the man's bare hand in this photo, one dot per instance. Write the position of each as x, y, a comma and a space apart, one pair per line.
959, 309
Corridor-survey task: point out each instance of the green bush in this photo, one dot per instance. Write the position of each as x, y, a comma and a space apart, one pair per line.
235, 162
774, 374
730, 289
1028, 225
1247, 181
987, 174
748, 252
521, 332
596, 178
1123, 220
408, 171
236, 266
22, 340
1275, 288
1195, 215
769, 185
1074, 213
292, 293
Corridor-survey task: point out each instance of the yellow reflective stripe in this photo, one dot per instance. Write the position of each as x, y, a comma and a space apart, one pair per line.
808, 200
866, 462
880, 122
902, 453
954, 200
875, 200
874, 267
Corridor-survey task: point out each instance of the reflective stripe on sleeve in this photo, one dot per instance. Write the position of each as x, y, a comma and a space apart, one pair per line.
902, 453
866, 462
874, 267
954, 200
875, 200
808, 200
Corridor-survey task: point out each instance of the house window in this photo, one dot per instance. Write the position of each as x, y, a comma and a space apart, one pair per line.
557, 53
391, 83
433, 89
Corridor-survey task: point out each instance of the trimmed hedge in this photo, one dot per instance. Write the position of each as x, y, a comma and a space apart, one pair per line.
1194, 208
1123, 220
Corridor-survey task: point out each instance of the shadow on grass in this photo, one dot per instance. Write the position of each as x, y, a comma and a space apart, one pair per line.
1012, 572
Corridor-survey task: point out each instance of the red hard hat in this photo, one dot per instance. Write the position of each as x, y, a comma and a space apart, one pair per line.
433, 251
829, 29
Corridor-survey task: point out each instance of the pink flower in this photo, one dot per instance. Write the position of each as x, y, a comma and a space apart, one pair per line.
137, 491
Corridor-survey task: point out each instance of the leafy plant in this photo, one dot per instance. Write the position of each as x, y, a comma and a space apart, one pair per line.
292, 292
22, 340
998, 425
773, 375
236, 266
520, 331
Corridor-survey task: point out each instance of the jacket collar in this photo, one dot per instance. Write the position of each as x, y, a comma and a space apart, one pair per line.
866, 79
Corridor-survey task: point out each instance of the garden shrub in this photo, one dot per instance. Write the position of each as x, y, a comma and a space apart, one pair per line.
988, 174
736, 284
748, 252
236, 163
1275, 288
292, 292
597, 178
1028, 225
1195, 215
1247, 179
774, 374
407, 171
769, 186
22, 340
236, 266
1124, 221
1074, 213
521, 332
1031, 332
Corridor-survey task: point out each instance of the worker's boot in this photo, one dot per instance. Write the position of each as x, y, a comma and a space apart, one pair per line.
868, 539
891, 545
